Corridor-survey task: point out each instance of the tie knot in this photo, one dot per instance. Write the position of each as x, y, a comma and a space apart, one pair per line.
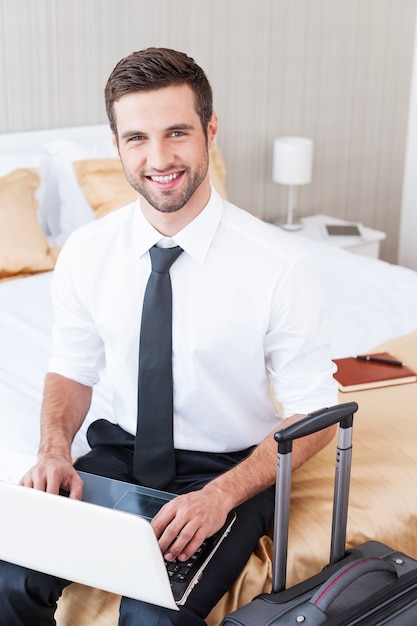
163, 258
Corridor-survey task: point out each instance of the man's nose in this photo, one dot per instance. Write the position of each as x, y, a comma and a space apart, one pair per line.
160, 155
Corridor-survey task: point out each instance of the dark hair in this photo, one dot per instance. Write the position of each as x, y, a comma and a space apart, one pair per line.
155, 68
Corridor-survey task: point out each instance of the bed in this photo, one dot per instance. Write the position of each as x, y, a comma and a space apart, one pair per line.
53, 181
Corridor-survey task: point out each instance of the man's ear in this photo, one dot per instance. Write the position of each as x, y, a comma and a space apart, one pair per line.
114, 141
212, 129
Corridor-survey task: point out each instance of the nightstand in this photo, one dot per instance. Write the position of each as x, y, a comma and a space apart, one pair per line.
367, 244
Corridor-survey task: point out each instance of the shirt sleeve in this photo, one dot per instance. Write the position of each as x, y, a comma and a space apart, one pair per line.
77, 350
297, 351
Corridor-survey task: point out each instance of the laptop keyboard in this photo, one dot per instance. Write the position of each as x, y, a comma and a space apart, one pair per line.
180, 571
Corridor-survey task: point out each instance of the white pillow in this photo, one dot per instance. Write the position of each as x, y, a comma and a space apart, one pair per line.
10, 162
74, 210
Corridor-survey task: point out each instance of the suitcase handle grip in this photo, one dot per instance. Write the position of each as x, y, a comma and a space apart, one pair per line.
341, 580
313, 422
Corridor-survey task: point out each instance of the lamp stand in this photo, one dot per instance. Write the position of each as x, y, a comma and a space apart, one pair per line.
290, 224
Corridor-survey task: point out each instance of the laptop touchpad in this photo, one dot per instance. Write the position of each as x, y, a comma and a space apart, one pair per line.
144, 505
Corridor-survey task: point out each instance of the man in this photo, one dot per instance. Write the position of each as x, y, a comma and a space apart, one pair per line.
246, 315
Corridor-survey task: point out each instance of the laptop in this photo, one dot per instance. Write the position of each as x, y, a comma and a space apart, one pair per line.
106, 541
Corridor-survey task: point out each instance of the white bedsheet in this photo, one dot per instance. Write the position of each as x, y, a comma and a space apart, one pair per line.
25, 344
367, 302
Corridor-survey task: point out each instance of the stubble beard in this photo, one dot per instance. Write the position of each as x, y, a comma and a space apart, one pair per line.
170, 201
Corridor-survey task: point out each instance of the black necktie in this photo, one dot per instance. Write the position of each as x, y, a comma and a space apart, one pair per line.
154, 457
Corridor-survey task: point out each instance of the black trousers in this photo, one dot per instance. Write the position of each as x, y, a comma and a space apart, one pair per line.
28, 598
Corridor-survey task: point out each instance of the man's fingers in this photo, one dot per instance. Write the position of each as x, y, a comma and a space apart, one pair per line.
76, 488
52, 478
185, 545
185, 522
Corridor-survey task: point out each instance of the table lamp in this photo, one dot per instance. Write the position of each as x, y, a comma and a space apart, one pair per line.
292, 166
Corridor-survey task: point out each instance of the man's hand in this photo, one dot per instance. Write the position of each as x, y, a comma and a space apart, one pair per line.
185, 522
65, 405
53, 473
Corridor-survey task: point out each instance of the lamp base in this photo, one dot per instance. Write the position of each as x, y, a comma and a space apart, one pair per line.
290, 227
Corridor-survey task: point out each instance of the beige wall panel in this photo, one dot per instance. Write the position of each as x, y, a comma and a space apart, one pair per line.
337, 71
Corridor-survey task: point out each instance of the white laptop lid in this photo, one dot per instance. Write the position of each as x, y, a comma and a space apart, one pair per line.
83, 542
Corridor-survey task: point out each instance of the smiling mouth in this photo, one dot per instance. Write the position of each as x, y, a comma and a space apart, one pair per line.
167, 178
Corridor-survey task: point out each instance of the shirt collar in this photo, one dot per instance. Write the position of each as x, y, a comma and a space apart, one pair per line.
195, 239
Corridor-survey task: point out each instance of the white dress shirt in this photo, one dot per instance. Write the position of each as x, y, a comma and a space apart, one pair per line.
247, 315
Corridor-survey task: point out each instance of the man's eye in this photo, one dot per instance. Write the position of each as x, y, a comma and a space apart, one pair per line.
177, 133
136, 138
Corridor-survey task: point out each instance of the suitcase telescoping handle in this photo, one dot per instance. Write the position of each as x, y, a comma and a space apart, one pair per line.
312, 423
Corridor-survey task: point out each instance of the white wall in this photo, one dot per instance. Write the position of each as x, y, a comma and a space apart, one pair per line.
407, 254
334, 70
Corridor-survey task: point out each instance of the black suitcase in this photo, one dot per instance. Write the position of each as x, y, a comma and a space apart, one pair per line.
370, 584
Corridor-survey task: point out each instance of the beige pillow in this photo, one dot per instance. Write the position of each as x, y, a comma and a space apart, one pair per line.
217, 171
24, 248
105, 188
103, 184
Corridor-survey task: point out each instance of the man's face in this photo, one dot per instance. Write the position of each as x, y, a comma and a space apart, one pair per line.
163, 147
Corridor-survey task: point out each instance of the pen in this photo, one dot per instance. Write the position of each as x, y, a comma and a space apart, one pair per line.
375, 359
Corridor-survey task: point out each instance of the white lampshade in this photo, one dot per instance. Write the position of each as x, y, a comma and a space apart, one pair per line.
293, 160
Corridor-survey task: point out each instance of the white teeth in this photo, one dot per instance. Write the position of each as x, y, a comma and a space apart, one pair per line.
164, 179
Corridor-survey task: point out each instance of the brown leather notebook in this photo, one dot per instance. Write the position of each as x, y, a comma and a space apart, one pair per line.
354, 374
